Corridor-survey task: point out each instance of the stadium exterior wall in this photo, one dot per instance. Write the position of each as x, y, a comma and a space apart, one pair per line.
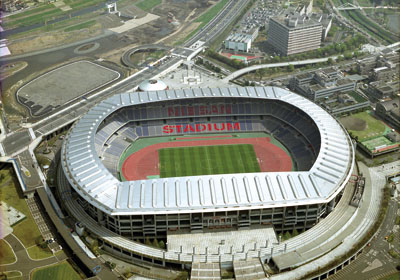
286, 215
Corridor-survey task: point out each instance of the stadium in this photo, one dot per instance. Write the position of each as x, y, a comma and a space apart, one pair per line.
149, 164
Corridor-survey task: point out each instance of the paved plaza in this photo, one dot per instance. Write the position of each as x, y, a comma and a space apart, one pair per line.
221, 240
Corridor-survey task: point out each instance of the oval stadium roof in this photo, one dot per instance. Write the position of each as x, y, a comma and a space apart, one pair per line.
89, 177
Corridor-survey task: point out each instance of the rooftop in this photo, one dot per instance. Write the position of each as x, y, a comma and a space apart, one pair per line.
208, 192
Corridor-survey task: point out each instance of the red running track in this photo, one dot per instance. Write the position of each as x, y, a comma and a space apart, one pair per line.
203, 137
145, 162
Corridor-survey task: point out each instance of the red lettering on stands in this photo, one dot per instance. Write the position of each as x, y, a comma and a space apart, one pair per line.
203, 127
235, 126
228, 109
222, 126
203, 110
178, 111
168, 129
199, 127
188, 127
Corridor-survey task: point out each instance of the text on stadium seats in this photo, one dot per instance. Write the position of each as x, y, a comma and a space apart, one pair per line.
178, 111
199, 127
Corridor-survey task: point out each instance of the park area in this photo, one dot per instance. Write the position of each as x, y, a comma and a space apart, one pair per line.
60, 271
203, 155
206, 160
26, 230
369, 131
364, 126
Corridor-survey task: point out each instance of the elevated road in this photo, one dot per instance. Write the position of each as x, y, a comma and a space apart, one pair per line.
246, 70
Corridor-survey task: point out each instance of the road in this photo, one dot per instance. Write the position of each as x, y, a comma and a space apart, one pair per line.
219, 23
348, 23
243, 71
16, 141
375, 262
24, 263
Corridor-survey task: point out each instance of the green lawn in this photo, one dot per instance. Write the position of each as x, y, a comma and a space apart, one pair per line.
374, 126
147, 5
6, 254
204, 160
38, 253
27, 231
46, 13
82, 25
61, 271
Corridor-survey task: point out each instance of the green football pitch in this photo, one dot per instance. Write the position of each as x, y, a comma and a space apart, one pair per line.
205, 160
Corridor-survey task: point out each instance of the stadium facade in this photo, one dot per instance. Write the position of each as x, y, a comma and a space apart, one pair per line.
134, 210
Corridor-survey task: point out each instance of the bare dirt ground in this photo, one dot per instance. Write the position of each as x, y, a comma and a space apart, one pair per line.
184, 12
50, 39
10, 69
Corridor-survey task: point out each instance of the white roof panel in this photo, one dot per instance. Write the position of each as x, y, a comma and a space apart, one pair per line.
89, 177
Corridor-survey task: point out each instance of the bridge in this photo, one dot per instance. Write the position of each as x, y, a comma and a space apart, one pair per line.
246, 70
350, 6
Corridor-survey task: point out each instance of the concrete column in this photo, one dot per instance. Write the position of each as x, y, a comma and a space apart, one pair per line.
331, 205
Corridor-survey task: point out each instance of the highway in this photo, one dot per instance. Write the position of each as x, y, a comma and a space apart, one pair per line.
219, 23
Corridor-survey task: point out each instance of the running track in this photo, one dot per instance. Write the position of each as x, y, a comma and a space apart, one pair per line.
145, 162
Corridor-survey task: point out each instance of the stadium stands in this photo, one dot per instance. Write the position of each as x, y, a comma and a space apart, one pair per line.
294, 129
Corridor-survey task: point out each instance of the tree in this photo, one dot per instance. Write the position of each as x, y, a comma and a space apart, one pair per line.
155, 243
291, 68
260, 73
161, 244
330, 61
148, 242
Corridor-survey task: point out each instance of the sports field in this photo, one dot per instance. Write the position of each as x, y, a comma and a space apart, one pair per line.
372, 144
141, 160
204, 160
364, 125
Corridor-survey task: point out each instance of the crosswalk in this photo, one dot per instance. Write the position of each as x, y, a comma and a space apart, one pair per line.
42, 222
383, 275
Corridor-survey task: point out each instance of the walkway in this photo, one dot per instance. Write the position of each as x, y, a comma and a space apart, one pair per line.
355, 228
243, 71
24, 263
